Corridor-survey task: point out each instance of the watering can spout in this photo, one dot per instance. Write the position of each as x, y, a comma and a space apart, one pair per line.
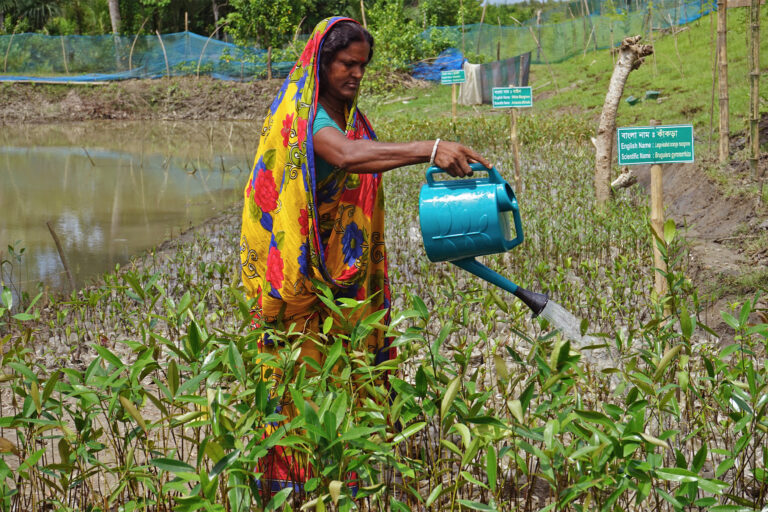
535, 301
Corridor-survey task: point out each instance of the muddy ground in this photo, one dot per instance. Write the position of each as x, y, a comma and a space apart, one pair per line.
724, 233
201, 98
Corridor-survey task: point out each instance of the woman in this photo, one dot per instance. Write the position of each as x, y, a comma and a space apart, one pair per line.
313, 205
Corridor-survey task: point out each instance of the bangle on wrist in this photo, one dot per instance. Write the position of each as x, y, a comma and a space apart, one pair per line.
434, 152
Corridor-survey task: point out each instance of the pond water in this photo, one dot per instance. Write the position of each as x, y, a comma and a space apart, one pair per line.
110, 190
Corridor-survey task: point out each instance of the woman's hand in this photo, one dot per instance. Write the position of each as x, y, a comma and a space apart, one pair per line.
454, 158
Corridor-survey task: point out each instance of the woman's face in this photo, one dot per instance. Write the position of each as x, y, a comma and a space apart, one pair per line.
346, 70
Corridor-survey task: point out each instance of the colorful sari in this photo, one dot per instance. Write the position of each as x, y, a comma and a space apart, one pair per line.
296, 231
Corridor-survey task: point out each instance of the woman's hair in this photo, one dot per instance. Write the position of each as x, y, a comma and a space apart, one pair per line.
339, 37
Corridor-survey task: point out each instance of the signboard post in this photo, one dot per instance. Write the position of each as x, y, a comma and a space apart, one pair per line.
513, 98
656, 145
453, 77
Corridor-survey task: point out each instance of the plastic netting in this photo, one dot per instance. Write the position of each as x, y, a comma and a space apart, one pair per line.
108, 57
560, 41
90, 58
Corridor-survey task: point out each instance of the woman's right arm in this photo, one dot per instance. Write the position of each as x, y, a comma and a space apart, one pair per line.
366, 156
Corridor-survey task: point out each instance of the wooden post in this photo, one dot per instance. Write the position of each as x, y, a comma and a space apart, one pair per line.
453, 101
722, 59
516, 152
186, 21
657, 224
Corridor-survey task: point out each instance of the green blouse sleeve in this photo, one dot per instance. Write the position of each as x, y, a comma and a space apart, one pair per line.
322, 120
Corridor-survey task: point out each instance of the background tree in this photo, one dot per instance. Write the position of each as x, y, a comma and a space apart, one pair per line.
114, 16
267, 22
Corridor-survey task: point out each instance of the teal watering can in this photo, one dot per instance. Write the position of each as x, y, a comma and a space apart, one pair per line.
465, 218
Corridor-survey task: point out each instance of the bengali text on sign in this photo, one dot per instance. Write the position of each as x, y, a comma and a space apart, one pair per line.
655, 144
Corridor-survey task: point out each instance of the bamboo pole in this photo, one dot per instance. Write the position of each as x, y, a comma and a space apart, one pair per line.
713, 59
130, 54
722, 54
8, 49
61, 255
453, 101
516, 151
362, 13
657, 224
165, 55
754, 77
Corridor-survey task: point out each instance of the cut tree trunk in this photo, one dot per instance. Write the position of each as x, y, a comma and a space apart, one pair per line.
631, 56
114, 16
722, 78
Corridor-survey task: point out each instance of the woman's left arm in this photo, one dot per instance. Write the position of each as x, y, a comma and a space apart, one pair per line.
367, 156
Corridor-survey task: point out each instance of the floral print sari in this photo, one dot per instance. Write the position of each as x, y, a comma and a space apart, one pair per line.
297, 231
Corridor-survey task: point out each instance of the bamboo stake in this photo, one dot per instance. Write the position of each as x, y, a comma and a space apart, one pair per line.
754, 76
453, 101
165, 55
722, 54
657, 224
205, 46
8, 49
713, 57
362, 13
130, 54
61, 255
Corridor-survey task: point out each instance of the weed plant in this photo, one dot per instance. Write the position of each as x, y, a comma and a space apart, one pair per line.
147, 391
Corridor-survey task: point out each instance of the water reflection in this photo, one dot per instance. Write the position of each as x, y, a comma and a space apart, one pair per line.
107, 203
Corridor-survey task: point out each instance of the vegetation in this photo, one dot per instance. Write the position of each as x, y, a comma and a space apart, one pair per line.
145, 391
91, 17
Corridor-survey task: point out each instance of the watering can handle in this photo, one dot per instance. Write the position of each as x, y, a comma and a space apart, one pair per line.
492, 173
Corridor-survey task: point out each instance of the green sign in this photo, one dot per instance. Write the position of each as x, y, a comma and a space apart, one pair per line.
655, 144
452, 77
505, 97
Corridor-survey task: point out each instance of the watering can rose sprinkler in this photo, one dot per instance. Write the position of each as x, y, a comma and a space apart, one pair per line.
465, 218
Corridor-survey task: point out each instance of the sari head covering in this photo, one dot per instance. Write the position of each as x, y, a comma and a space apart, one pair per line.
296, 230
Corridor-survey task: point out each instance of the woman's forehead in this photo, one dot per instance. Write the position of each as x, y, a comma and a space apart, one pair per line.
357, 50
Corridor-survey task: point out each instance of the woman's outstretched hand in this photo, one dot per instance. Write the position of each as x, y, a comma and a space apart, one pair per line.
454, 158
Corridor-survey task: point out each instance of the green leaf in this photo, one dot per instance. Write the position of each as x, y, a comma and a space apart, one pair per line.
173, 377
476, 505
516, 409
236, 362
670, 354
409, 431
278, 499
172, 465
677, 475
434, 495
7, 298
450, 395
327, 324
134, 412
669, 231
491, 466
50, 384
723, 467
